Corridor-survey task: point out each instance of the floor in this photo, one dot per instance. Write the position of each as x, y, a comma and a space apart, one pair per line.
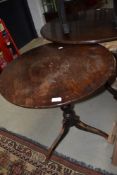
34, 43
43, 125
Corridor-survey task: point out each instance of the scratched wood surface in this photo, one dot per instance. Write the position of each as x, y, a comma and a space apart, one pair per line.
56, 74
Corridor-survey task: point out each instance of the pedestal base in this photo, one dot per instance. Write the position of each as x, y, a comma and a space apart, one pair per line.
71, 119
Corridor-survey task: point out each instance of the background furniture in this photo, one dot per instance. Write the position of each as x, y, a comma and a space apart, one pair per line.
89, 28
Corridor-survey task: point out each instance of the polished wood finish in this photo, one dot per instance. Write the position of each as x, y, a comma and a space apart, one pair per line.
56, 74
112, 47
110, 88
111, 85
91, 26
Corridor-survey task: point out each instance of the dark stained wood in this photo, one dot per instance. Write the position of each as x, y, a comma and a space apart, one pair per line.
71, 119
56, 74
109, 85
111, 90
93, 26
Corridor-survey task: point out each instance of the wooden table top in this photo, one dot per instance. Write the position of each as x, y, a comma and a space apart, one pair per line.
56, 74
93, 26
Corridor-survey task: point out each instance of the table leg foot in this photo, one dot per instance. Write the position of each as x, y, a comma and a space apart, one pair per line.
60, 137
70, 120
83, 126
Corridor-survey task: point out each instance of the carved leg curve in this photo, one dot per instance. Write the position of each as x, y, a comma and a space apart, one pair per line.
62, 134
83, 126
70, 120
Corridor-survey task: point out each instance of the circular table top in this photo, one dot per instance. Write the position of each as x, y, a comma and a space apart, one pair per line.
93, 26
56, 74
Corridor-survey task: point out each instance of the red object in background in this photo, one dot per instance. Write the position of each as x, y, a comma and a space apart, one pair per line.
3, 47
8, 48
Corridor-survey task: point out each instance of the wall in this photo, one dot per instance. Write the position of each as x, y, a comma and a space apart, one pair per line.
109, 4
37, 14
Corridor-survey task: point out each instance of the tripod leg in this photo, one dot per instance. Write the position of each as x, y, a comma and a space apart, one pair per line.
60, 137
80, 125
